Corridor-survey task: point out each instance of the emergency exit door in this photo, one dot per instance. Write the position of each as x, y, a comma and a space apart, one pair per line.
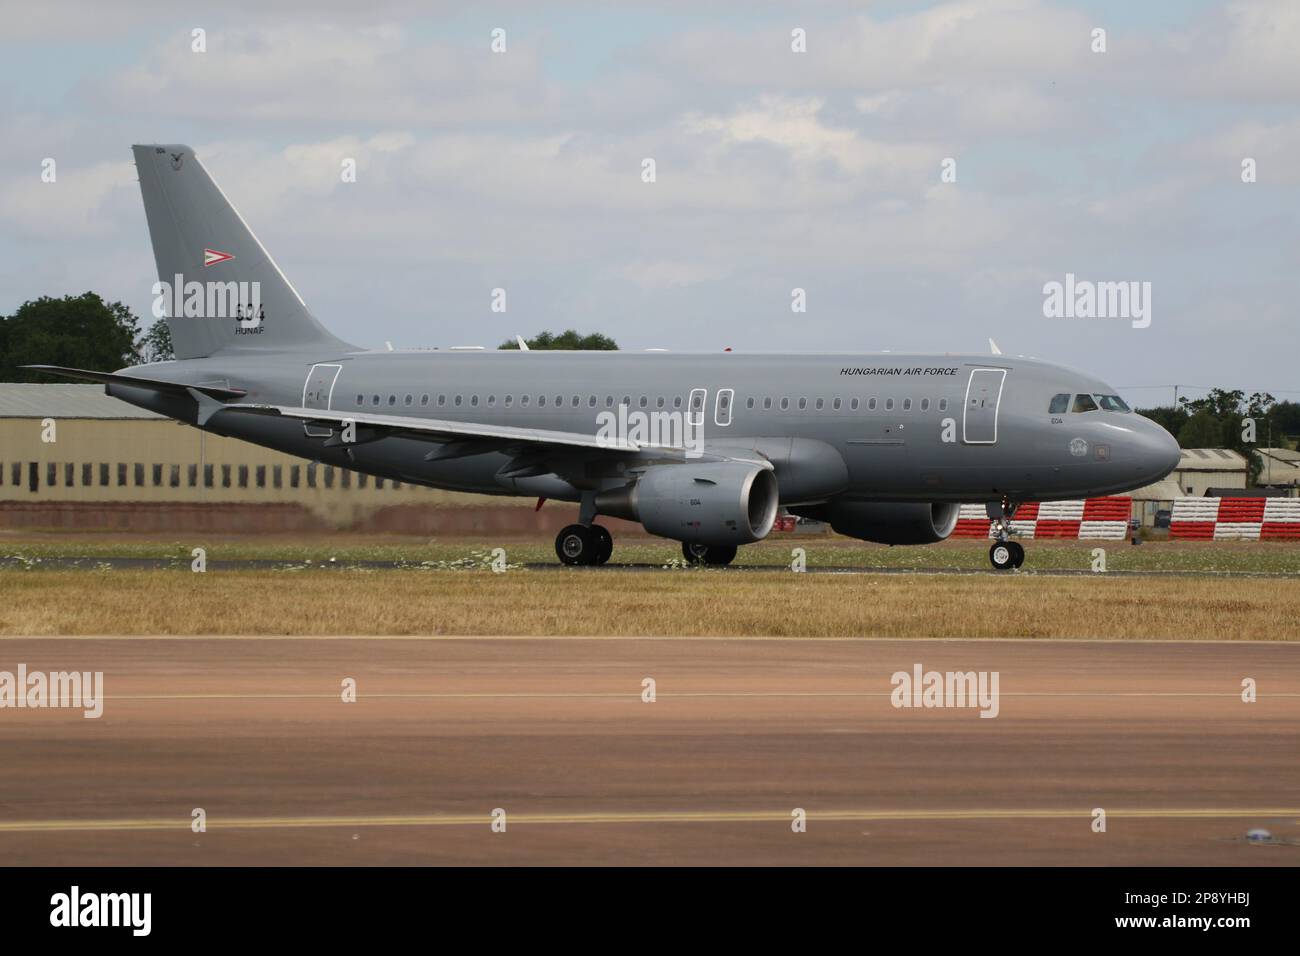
979, 424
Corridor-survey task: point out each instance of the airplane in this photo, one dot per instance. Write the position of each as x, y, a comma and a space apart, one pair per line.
704, 449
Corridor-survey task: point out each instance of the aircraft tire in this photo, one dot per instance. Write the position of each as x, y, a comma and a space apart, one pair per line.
711, 554
576, 545
1002, 555
604, 543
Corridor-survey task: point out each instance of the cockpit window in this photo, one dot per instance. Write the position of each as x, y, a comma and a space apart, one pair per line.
1112, 403
1060, 404
1084, 403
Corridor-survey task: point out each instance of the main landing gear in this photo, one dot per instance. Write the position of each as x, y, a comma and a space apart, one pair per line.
580, 544
1005, 554
714, 554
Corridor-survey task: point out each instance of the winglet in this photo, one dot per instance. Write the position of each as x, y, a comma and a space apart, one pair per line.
523, 346
993, 347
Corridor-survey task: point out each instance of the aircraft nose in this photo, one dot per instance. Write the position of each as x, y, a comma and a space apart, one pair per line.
1158, 451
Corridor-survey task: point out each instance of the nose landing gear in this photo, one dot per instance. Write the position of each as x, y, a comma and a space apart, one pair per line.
1005, 554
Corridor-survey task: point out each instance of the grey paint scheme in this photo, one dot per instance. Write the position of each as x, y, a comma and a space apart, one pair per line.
818, 455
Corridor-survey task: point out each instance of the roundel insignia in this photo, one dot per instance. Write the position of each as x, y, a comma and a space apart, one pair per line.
1078, 447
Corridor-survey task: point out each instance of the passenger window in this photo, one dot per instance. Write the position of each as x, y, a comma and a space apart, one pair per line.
577, 400
837, 404
1084, 403
785, 403
374, 400
925, 404
749, 403
854, 405
410, 400
361, 399
510, 400
523, 400
767, 402
473, 400
458, 401
871, 405
821, 403
424, 399
943, 404
803, 403
541, 401
591, 401
907, 404
392, 399
492, 400
644, 401
889, 404
1060, 404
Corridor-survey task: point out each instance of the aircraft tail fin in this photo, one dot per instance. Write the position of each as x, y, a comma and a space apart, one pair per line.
222, 289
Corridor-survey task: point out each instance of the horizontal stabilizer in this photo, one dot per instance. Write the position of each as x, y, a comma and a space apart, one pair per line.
112, 378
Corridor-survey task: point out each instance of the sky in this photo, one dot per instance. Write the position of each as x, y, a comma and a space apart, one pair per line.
921, 171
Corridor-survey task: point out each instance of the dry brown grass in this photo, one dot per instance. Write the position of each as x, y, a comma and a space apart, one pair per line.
652, 604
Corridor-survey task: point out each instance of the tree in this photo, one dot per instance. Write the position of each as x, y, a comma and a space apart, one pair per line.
1168, 417
156, 344
567, 340
1217, 421
80, 331
1202, 430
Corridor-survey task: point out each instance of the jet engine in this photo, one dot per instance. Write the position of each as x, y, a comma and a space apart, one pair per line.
712, 503
891, 522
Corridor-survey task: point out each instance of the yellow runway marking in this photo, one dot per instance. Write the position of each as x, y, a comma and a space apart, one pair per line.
633, 817
661, 695
610, 638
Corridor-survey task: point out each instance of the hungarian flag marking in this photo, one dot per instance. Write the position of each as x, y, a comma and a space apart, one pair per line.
212, 256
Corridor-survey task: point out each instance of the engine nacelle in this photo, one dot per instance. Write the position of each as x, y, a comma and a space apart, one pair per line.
892, 523
719, 503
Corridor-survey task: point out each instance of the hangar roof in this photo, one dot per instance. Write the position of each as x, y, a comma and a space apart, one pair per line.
36, 400
1211, 459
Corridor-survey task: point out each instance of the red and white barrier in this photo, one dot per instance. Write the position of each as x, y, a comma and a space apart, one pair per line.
1241, 519
1104, 518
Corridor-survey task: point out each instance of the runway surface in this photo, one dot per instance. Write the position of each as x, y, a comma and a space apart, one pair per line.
555, 732
70, 563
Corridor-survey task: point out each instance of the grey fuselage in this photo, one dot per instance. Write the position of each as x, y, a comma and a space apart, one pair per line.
877, 426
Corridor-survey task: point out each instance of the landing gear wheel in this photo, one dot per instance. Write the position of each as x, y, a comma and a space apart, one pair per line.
1017, 553
1003, 556
576, 545
604, 544
713, 554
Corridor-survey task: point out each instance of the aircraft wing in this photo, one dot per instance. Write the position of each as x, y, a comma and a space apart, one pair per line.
458, 438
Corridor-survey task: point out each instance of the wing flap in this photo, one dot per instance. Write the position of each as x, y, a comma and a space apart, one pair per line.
447, 431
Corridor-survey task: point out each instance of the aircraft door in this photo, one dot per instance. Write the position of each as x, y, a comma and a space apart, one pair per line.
979, 424
318, 392
722, 406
